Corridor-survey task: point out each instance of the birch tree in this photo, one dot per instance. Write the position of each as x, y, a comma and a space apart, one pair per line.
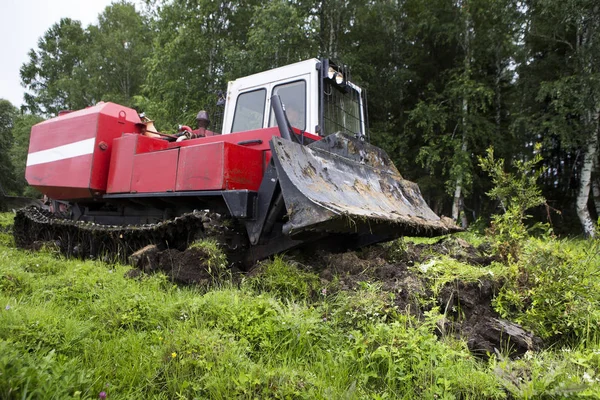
573, 28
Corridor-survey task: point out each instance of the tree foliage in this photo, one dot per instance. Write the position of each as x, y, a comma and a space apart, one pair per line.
7, 174
18, 153
115, 61
54, 75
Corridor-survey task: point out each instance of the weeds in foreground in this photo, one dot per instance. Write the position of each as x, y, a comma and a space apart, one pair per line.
75, 329
556, 291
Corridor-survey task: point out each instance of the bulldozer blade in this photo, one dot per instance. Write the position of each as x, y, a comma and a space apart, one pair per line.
342, 184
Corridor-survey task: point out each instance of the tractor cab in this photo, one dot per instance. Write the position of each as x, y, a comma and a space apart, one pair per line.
317, 96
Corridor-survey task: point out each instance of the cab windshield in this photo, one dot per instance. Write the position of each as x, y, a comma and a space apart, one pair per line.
341, 110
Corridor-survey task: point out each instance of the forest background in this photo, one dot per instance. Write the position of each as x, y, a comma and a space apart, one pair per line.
446, 80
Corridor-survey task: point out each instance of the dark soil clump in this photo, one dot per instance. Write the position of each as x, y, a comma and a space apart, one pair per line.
469, 314
191, 266
456, 248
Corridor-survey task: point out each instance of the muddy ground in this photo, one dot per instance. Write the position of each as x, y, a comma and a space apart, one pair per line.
467, 306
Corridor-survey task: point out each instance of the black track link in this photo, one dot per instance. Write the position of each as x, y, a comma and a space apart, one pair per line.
34, 226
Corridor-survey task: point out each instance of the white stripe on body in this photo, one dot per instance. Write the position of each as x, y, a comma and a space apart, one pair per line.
63, 152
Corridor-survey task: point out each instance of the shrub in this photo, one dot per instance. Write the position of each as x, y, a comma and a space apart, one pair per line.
517, 193
557, 290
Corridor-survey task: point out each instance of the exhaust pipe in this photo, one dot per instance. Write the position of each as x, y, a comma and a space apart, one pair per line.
285, 128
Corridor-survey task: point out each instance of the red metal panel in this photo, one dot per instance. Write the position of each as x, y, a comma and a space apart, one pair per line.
243, 167
201, 167
260, 134
219, 166
121, 164
122, 159
50, 167
113, 121
235, 138
64, 130
267, 159
55, 178
155, 171
65, 193
147, 144
69, 155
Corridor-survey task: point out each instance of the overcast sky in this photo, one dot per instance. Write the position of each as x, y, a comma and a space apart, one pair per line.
23, 22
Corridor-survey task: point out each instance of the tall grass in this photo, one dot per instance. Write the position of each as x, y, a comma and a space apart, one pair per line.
74, 329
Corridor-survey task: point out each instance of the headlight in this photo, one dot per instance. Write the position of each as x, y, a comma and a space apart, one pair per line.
339, 78
331, 73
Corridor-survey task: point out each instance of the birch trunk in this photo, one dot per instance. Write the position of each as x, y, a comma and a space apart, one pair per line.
586, 177
596, 191
498, 89
585, 42
457, 204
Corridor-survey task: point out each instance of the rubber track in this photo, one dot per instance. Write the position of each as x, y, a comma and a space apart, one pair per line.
34, 226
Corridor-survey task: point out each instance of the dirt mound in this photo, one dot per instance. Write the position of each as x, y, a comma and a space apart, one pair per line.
467, 306
192, 266
456, 248
469, 314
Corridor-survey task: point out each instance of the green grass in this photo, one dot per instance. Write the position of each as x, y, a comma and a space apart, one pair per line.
6, 219
555, 290
73, 329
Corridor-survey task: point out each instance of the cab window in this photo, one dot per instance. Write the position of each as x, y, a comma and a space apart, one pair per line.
342, 110
249, 111
293, 97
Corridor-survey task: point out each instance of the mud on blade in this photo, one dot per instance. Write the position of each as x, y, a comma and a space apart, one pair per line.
343, 185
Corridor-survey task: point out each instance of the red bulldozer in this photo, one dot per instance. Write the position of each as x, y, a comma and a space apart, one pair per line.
292, 166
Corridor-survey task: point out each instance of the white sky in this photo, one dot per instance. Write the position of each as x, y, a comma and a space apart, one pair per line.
23, 22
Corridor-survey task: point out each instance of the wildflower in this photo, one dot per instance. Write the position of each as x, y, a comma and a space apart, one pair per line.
173, 354
324, 319
324, 292
102, 395
7, 307
587, 377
